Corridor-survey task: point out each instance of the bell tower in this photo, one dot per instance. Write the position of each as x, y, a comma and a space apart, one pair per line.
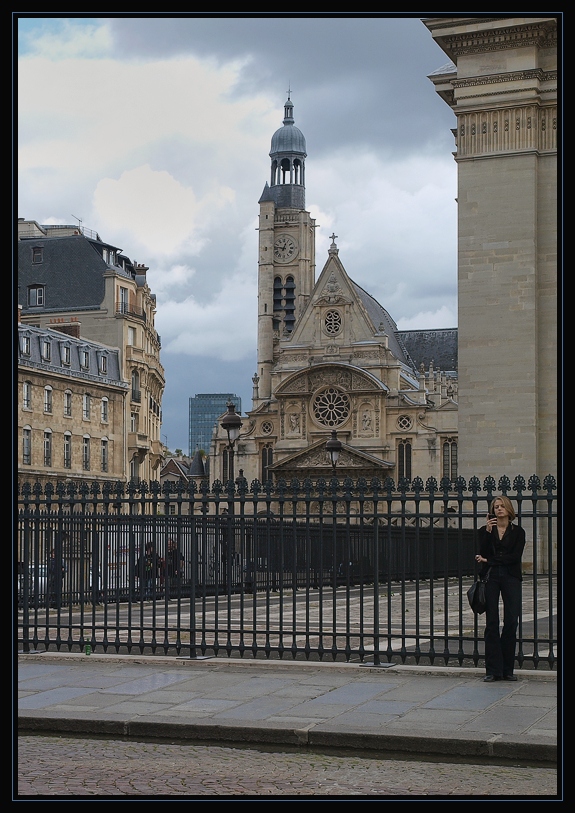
286, 247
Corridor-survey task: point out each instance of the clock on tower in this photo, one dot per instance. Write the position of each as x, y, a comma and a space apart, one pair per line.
285, 248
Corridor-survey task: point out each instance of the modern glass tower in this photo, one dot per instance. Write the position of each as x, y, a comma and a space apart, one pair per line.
205, 409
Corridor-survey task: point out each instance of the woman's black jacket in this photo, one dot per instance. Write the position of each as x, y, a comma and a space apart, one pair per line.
507, 551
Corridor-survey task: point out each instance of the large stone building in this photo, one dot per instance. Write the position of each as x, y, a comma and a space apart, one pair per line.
501, 83
71, 400
70, 279
330, 358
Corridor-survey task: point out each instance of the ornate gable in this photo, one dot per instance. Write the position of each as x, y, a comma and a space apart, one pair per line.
351, 379
313, 462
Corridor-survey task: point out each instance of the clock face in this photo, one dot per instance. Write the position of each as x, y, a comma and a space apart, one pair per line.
285, 248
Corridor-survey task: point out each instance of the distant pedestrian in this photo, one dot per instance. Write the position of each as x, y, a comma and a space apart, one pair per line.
174, 568
148, 568
501, 545
55, 579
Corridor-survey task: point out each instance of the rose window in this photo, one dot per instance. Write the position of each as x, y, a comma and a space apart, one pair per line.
332, 322
267, 427
330, 407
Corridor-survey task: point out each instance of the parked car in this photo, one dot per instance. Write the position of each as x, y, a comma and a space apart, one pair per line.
37, 583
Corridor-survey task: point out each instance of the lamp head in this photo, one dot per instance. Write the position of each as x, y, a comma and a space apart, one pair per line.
333, 447
232, 423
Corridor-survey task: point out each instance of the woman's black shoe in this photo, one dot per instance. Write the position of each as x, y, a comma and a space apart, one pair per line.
490, 678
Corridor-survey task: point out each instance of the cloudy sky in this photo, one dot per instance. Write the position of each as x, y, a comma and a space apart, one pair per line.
155, 132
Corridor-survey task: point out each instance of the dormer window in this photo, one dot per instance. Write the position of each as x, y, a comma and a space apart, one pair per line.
85, 359
46, 350
36, 296
103, 363
37, 254
65, 354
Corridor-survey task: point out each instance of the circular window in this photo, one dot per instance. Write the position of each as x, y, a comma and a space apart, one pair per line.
330, 407
332, 322
267, 427
404, 422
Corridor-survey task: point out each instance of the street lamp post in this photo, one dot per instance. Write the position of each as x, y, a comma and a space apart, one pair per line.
232, 423
333, 447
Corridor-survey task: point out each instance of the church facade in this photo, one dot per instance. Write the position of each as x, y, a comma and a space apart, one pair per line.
331, 359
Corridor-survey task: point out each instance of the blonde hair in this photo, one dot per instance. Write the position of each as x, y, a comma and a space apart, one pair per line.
506, 504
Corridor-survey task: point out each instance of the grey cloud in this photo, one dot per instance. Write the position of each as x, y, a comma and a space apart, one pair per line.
358, 72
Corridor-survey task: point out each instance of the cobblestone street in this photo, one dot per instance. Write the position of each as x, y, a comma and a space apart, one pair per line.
73, 766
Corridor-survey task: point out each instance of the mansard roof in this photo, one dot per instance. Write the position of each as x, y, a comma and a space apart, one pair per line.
72, 270
383, 322
437, 347
72, 364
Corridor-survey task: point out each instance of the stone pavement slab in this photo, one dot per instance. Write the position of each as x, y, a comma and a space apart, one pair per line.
414, 709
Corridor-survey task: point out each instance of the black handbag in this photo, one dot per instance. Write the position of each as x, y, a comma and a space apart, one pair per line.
476, 595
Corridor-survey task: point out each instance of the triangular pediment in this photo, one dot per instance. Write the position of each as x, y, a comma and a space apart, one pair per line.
333, 290
333, 286
313, 462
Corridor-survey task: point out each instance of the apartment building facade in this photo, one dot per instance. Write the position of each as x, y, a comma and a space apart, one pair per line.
71, 280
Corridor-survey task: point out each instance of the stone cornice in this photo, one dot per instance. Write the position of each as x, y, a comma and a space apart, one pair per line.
515, 76
541, 34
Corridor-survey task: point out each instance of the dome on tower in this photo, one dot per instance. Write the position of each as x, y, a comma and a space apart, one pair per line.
288, 138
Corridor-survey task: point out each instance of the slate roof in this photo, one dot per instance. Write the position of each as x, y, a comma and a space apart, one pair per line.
72, 271
55, 364
427, 346
384, 322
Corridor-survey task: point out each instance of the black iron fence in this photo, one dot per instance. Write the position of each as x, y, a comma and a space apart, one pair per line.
349, 570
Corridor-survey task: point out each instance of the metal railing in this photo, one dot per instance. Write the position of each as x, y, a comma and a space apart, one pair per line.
345, 570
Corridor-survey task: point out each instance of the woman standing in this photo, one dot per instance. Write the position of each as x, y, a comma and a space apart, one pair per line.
501, 545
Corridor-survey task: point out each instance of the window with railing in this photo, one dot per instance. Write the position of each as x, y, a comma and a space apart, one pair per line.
67, 450
48, 400
68, 404
26, 445
86, 453
47, 448
105, 454
27, 395
86, 405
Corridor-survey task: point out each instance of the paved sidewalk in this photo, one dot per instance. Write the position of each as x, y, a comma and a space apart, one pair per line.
411, 709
